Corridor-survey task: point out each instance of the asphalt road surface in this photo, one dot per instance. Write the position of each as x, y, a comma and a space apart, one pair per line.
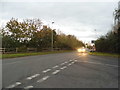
63, 70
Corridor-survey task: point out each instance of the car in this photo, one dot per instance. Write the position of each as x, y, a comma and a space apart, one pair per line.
81, 50
91, 50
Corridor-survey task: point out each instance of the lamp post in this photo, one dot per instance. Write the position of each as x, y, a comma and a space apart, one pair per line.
52, 38
94, 46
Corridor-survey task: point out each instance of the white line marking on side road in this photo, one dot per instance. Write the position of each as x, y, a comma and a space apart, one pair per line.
55, 66
43, 79
28, 87
55, 72
46, 70
102, 64
91, 62
14, 85
31, 77
111, 65
13, 62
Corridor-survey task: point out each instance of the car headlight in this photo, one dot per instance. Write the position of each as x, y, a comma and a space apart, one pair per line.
81, 50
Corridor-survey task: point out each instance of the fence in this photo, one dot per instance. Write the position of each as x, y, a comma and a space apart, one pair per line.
2, 50
31, 49
19, 50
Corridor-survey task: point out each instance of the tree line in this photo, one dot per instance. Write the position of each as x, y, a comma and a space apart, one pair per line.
109, 42
33, 34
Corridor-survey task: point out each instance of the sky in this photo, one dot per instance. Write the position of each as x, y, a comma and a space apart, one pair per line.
87, 20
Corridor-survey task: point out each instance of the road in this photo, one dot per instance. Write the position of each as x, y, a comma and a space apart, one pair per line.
62, 70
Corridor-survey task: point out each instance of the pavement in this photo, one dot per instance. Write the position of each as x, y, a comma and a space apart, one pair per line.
61, 70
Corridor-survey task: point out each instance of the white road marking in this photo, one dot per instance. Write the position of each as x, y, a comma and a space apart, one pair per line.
56, 66
75, 60
111, 65
69, 64
14, 85
63, 67
100, 63
43, 79
28, 87
62, 63
12, 62
93, 62
70, 60
46, 70
31, 77
55, 72
66, 62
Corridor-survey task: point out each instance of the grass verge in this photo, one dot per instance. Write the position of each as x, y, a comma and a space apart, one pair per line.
104, 54
31, 54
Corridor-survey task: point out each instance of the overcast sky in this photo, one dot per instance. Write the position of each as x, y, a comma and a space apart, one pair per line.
76, 18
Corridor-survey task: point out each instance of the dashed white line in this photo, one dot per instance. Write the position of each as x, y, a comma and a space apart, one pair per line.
31, 77
69, 64
46, 70
56, 71
56, 66
43, 79
70, 60
63, 67
62, 63
14, 85
28, 87
65, 62
75, 60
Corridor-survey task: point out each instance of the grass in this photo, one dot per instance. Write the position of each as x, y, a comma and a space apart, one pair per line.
0, 55
31, 54
104, 54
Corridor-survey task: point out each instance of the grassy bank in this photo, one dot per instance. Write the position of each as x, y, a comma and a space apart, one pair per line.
104, 54
31, 54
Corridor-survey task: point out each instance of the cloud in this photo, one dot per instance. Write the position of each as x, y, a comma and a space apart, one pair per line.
77, 18
59, 0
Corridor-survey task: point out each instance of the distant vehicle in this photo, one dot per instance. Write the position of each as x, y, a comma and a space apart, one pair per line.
81, 50
92, 50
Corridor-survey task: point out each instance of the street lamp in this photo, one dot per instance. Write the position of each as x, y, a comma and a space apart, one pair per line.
52, 38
